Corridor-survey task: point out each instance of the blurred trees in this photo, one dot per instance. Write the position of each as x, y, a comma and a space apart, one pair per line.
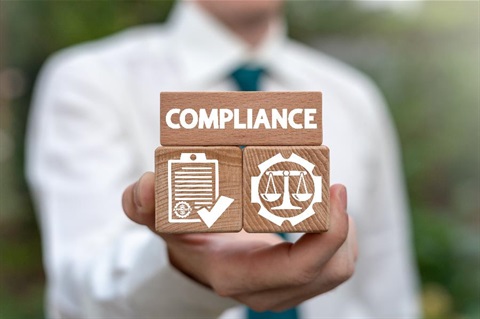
425, 60
426, 63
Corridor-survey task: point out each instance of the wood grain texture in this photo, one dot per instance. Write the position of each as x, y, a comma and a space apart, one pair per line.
318, 156
242, 101
197, 196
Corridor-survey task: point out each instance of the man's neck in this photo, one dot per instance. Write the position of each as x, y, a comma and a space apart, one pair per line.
252, 31
252, 28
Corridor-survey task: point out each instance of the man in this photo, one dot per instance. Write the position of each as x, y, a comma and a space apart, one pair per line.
93, 131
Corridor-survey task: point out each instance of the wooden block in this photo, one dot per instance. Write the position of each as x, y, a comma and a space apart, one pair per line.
240, 118
198, 189
286, 189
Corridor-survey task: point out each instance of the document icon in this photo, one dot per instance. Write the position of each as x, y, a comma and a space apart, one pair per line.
192, 187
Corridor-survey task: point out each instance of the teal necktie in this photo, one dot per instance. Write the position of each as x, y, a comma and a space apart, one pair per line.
248, 79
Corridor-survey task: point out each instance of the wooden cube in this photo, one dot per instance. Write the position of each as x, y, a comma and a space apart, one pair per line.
240, 118
198, 189
286, 189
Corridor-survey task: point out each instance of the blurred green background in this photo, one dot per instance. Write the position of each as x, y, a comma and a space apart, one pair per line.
425, 56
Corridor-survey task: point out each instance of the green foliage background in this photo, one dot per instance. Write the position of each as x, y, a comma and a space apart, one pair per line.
426, 61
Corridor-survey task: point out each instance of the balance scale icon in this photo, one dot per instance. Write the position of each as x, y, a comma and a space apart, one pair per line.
286, 203
270, 194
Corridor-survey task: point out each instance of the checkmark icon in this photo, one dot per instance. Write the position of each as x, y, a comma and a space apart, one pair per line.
209, 217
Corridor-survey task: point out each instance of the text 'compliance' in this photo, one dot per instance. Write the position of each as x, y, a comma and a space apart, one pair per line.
240, 118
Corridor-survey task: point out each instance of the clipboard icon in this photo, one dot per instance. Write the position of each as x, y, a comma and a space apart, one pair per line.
192, 187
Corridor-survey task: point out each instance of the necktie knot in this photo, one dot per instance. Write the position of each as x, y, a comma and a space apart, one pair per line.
247, 78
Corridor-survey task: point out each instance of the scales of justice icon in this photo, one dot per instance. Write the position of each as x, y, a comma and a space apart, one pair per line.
302, 193
286, 203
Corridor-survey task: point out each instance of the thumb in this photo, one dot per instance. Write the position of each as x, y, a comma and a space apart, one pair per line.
138, 201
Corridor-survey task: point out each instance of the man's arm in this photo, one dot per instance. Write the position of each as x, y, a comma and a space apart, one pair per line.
80, 158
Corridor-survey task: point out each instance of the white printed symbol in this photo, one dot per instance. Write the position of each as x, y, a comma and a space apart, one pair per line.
182, 209
302, 193
193, 190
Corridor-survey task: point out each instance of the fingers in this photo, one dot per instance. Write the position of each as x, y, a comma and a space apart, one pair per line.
138, 200
337, 270
286, 264
314, 250
206, 256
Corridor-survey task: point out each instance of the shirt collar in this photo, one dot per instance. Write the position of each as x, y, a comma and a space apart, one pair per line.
208, 51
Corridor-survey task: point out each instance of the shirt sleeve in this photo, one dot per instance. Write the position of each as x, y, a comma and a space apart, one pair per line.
80, 157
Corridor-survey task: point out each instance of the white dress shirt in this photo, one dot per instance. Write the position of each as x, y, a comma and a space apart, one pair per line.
93, 131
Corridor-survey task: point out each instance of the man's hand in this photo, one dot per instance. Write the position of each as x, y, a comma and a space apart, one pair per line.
260, 270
